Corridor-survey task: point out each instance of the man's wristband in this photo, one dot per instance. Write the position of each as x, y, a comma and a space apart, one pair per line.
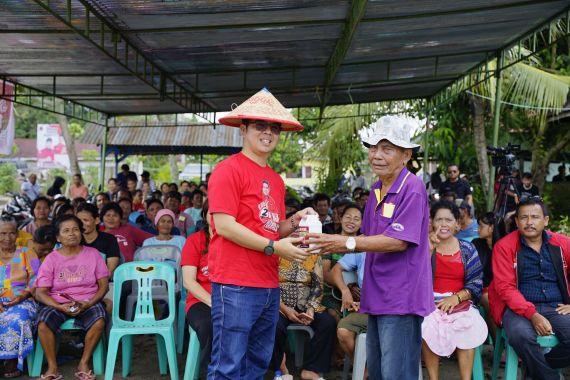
458, 297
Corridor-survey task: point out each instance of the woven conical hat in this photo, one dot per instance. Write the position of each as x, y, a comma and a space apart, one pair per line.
262, 106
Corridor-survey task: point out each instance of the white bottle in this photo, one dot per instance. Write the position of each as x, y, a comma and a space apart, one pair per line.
309, 224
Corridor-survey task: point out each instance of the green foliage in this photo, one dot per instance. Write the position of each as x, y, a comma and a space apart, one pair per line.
161, 174
27, 120
561, 225
90, 154
76, 130
288, 154
8, 180
91, 177
451, 139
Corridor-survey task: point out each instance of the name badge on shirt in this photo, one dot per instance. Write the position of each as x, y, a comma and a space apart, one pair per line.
182, 218
388, 210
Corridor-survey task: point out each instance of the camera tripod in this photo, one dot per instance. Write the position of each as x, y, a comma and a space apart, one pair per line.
500, 207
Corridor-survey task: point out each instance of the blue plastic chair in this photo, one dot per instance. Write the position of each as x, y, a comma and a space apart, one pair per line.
512, 359
144, 322
36, 358
192, 370
181, 321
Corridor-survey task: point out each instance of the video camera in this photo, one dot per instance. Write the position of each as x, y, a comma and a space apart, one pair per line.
504, 157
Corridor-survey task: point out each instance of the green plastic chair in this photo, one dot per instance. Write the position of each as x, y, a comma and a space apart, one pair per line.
181, 320
36, 358
512, 359
192, 370
144, 322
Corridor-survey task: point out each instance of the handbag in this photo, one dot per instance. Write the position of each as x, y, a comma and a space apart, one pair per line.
462, 306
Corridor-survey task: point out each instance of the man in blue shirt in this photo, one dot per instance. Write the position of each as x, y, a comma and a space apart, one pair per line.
354, 323
469, 226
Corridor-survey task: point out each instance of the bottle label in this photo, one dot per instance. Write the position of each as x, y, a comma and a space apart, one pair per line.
303, 232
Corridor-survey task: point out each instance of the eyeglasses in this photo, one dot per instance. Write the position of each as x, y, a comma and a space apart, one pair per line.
452, 171
261, 126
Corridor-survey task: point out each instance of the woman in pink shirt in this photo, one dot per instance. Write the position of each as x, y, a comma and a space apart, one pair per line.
71, 283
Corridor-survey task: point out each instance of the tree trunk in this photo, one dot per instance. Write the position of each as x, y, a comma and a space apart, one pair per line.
69, 144
541, 157
173, 167
480, 140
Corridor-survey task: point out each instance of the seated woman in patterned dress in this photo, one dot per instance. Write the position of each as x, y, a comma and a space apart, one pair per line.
18, 269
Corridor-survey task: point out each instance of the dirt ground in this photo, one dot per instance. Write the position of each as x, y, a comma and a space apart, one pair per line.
145, 363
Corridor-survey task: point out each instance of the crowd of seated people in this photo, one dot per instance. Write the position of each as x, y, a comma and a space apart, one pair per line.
39, 262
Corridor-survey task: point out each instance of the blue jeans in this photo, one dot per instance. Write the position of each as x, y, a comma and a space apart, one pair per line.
244, 321
522, 336
393, 346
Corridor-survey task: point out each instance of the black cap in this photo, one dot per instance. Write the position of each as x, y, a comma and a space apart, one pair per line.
145, 174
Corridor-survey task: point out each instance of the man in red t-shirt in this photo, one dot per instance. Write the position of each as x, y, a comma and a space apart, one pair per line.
247, 201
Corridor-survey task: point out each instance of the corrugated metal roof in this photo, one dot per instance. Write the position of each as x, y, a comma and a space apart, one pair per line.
189, 139
221, 52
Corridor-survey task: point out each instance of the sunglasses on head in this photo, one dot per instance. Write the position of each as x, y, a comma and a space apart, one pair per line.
526, 198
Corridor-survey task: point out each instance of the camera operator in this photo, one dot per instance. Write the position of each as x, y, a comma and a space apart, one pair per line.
526, 188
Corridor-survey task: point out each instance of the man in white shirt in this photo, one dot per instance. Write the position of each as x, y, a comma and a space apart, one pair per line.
30, 188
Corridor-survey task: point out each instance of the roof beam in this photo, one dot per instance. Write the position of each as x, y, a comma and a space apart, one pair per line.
356, 12
144, 69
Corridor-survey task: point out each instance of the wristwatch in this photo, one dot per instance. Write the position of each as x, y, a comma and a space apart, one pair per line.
269, 249
351, 243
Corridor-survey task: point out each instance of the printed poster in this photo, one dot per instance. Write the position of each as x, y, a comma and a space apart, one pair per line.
52, 152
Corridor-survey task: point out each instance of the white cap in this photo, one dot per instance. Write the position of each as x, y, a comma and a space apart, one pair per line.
392, 129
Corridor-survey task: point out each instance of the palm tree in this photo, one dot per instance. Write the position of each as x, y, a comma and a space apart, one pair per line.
542, 93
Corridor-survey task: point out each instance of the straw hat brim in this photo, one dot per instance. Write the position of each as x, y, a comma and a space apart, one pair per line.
236, 121
262, 106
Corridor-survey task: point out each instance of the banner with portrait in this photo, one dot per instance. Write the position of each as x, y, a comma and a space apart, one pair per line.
52, 152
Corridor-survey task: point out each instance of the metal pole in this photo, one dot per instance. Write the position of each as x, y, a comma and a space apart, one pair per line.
426, 146
496, 122
104, 154
201, 158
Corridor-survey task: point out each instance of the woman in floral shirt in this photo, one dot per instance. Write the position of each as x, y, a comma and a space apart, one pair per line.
18, 269
301, 295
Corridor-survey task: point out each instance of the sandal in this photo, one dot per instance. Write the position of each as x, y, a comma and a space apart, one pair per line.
13, 374
80, 375
52, 376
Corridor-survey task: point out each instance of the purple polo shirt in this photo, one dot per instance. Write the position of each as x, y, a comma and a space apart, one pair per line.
398, 283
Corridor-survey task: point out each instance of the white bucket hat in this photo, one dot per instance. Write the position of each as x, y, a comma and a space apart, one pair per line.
393, 129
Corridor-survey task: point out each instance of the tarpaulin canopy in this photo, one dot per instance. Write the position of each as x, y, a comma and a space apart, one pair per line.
157, 56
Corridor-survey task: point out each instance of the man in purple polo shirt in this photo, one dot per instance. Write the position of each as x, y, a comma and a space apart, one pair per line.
397, 289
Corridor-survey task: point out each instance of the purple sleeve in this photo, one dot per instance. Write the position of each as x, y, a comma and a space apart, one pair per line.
407, 222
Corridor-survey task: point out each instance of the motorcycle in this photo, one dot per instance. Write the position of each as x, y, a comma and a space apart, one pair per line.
20, 208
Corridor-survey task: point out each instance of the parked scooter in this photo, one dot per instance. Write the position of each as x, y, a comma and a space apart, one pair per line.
20, 208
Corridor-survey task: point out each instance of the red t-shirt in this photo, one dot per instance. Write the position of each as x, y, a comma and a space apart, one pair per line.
449, 273
128, 238
255, 196
192, 255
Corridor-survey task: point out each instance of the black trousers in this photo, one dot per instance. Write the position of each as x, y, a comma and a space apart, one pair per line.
319, 357
199, 317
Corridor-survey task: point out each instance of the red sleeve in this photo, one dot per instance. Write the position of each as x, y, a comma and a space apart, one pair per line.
193, 248
504, 277
224, 189
139, 236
